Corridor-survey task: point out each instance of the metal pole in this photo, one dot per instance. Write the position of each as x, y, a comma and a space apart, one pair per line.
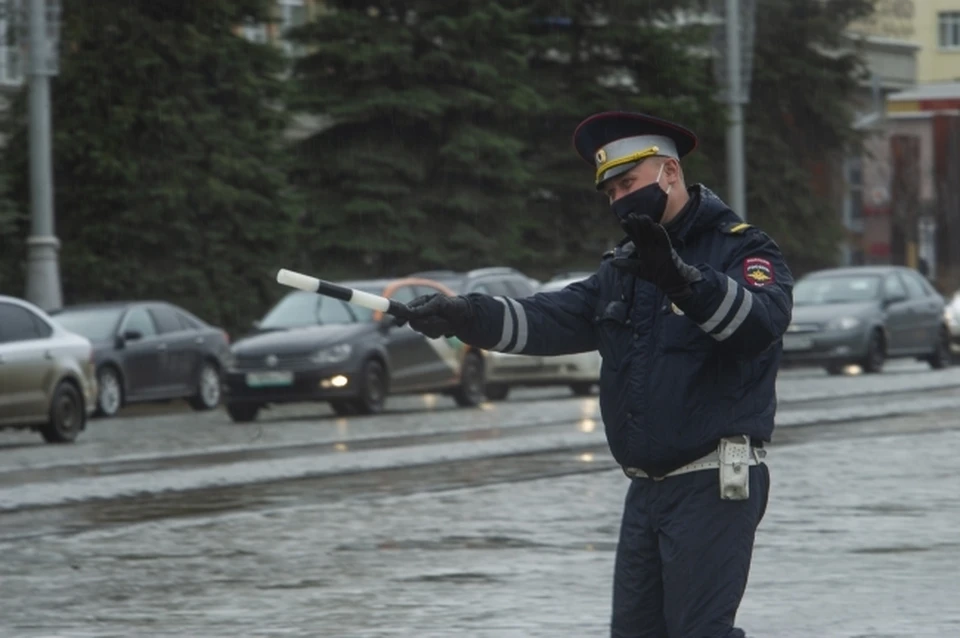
736, 182
43, 273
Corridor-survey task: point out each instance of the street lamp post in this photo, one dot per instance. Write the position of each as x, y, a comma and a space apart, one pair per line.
733, 68
43, 272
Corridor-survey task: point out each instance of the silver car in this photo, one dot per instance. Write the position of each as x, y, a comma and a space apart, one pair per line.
951, 314
47, 378
581, 371
864, 315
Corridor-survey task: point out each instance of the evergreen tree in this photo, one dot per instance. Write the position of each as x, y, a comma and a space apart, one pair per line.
424, 162
591, 56
799, 123
168, 161
11, 244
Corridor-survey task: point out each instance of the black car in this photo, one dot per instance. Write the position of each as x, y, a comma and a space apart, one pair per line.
314, 348
150, 351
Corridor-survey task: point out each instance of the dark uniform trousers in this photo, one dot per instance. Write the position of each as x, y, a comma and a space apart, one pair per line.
683, 556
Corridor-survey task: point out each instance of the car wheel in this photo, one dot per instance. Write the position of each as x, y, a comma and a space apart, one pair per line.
941, 357
581, 389
109, 392
470, 393
243, 412
497, 391
67, 416
873, 362
373, 389
208, 388
343, 407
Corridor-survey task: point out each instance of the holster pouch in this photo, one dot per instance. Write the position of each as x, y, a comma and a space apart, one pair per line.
734, 455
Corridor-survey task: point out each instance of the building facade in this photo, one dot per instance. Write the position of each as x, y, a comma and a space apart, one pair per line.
933, 25
903, 192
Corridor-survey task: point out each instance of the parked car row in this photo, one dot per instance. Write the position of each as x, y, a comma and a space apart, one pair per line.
57, 369
312, 348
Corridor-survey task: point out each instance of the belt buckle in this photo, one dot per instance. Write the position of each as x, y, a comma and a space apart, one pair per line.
635, 473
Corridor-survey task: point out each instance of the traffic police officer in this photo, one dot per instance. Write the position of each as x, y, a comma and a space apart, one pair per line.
687, 312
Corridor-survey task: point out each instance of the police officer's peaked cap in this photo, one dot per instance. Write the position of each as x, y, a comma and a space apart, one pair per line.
615, 141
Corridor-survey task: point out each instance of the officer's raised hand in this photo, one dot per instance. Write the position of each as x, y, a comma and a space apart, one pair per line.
654, 258
438, 315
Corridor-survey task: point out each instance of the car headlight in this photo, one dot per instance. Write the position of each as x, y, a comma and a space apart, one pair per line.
844, 323
333, 354
950, 316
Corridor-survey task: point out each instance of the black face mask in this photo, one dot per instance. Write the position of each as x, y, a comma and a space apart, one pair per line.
651, 200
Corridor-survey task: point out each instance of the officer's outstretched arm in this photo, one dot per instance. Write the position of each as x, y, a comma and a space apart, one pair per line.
748, 307
547, 323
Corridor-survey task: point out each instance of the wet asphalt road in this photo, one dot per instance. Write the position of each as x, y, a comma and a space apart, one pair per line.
446, 542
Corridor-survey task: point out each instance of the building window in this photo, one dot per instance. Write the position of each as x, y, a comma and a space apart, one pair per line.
293, 13
949, 22
255, 32
854, 208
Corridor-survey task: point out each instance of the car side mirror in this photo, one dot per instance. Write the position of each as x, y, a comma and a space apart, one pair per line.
892, 299
132, 335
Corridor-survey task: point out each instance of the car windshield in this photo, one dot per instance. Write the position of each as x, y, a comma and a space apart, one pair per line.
96, 324
365, 314
819, 291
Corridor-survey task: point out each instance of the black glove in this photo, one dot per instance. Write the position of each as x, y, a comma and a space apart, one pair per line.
438, 315
654, 258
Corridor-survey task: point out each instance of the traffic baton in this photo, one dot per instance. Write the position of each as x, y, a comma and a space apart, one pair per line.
350, 295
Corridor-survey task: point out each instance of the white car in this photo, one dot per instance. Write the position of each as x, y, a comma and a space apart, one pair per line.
581, 372
952, 315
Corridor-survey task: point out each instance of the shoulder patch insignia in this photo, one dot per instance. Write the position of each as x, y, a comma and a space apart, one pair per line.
758, 271
736, 228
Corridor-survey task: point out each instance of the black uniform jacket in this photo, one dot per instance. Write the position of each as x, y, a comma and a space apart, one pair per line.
675, 379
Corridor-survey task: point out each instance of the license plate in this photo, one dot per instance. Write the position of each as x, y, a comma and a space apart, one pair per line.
791, 342
269, 379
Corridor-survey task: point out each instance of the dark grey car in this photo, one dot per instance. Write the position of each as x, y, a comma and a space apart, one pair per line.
864, 315
310, 348
150, 351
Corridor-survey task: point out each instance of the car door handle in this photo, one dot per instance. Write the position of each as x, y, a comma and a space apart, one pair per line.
162, 347
47, 354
